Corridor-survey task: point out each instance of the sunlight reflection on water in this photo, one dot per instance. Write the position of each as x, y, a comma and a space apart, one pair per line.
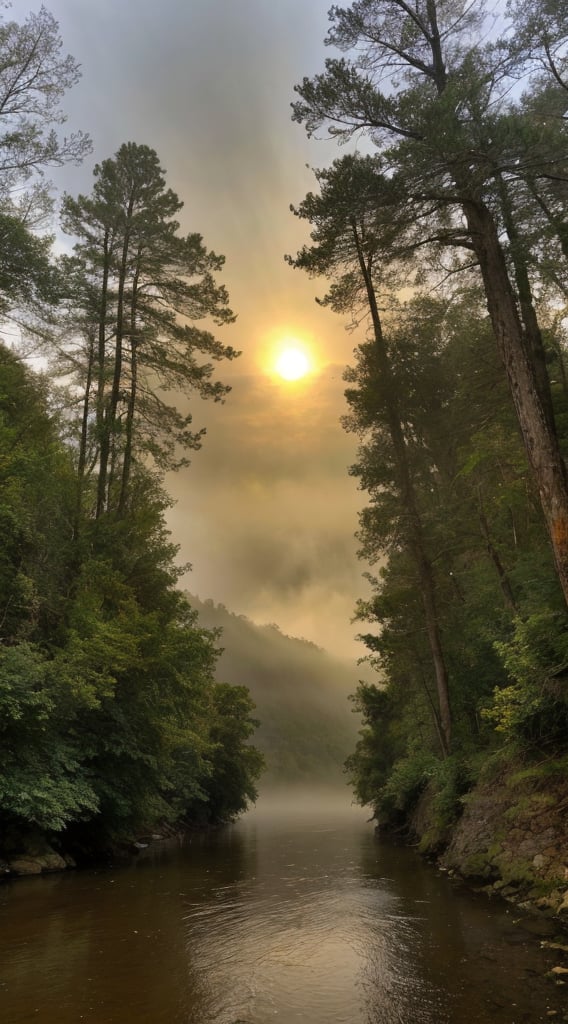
296, 914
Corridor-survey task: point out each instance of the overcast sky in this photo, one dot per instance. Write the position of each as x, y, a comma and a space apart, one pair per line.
266, 513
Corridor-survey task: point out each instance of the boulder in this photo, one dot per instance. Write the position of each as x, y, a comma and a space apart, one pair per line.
52, 862
26, 866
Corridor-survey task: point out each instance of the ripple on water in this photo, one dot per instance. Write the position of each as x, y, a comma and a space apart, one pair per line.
295, 916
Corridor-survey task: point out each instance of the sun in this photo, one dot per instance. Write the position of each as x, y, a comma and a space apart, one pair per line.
292, 364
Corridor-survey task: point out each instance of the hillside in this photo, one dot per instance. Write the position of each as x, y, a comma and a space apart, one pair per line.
301, 694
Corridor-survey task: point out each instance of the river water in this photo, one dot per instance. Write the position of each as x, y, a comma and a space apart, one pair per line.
295, 914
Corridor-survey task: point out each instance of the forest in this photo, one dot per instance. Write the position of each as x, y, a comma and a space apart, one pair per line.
111, 719
441, 232
443, 237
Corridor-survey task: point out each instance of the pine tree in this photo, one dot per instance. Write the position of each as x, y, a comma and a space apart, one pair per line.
148, 285
433, 99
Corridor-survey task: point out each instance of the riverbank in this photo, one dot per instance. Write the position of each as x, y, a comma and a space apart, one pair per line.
35, 855
35, 862
509, 836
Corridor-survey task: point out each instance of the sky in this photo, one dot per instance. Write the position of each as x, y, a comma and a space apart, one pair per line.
267, 512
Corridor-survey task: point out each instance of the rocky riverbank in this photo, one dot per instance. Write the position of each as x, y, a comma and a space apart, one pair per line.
35, 856
35, 861
511, 839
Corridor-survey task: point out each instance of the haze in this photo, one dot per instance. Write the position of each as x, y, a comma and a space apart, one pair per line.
266, 514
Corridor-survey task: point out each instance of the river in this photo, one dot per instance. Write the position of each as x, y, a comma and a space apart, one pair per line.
295, 914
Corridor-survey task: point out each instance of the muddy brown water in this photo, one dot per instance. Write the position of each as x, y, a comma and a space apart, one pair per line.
295, 914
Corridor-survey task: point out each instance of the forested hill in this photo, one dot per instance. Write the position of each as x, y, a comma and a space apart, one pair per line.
307, 727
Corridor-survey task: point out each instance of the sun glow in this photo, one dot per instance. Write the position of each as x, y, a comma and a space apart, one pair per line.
292, 364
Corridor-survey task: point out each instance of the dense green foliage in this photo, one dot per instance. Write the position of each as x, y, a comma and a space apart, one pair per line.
111, 719
447, 248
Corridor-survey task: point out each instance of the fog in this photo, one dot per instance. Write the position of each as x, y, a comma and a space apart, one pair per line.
317, 807
266, 513
307, 725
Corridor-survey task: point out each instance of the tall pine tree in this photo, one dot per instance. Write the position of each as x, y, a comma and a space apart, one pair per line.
148, 285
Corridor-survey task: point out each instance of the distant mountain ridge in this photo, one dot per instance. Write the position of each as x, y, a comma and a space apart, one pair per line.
301, 694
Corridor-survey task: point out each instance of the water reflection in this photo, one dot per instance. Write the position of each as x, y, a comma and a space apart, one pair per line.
294, 915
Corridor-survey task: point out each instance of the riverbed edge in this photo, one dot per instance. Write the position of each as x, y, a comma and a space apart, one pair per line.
510, 840
39, 857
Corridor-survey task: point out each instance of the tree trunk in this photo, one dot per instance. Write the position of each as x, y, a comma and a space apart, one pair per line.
101, 413
408, 498
82, 460
127, 458
533, 335
540, 440
506, 588
111, 412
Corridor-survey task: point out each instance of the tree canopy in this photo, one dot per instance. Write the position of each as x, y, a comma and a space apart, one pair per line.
131, 340
440, 100
111, 718
445, 245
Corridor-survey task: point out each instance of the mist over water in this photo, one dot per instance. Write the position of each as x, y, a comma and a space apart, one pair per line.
294, 914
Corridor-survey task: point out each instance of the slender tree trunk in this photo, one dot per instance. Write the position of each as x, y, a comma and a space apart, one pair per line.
432, 703
428, 594
557, 346
540, 440
408, 497
506, 588
127, 458
83, 440
111, 413
533, 335
433, 36
101, 413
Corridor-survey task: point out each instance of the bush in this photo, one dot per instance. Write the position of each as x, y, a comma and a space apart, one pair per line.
534, 707
409, 777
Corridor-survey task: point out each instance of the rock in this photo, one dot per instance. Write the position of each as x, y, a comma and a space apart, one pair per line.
539, 861
557, 971
25, 866
555, 945
562, 910
52, 862
509, 890
546, 904
33, 863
